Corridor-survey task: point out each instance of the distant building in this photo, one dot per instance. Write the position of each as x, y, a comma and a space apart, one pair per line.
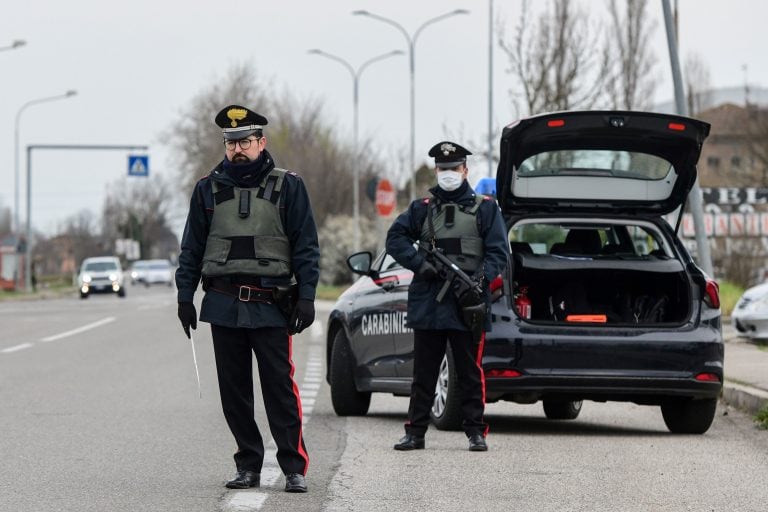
734, 184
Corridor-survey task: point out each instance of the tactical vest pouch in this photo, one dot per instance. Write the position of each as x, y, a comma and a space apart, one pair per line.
217, 250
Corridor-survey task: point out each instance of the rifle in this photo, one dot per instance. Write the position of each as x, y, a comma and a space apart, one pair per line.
468, 291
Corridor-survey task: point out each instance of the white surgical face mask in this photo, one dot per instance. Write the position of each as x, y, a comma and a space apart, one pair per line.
449, 180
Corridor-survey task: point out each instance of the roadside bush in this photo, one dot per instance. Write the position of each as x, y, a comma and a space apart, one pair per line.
336, 243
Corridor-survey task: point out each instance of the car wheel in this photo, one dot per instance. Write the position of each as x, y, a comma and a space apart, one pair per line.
689, 416
346, 399
446, 408
562, 409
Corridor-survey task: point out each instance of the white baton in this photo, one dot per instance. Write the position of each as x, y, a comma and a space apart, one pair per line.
194, 358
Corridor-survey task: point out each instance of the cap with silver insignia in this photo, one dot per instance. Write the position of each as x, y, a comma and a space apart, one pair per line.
238, 122
448, 155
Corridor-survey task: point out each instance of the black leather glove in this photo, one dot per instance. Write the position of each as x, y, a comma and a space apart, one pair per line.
302, 317
428, 271
188, 316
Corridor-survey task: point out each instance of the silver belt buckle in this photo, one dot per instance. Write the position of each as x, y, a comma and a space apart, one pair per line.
247, 295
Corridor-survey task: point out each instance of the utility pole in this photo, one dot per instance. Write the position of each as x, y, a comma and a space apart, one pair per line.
696, 202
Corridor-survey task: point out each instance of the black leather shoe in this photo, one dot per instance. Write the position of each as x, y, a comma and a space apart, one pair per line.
295, 482
477, 443
244, 480
410, 442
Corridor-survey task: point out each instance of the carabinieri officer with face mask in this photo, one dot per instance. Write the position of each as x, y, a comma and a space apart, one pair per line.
469, 230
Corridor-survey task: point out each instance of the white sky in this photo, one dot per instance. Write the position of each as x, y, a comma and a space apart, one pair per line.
136, 64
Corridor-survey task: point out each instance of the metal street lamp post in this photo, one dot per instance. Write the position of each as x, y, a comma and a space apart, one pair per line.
355, 96
16, 44
411, 39
16, 208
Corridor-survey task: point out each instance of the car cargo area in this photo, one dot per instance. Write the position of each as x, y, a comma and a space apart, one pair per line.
640, 291
611, 272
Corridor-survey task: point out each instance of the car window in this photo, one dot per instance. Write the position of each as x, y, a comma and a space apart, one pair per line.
589, 162
389, 263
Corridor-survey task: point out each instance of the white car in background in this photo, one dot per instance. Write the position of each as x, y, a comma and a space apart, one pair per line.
102, 274
750, 315
153, 272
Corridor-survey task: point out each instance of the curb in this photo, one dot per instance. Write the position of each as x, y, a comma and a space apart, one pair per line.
744, 397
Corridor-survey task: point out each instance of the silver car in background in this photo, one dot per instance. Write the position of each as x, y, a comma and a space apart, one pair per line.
750, 316
149, 272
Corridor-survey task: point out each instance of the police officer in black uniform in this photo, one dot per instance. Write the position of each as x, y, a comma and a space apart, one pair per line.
470, 231
251, 237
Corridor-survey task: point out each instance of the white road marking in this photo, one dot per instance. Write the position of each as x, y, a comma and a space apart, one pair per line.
79, 329
245, 500
16, 348
316, 329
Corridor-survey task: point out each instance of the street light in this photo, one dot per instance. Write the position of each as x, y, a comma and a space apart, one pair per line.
16, 44
16, 222
355, 88
411, 47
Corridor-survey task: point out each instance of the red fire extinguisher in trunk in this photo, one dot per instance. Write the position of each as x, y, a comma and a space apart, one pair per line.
523, 303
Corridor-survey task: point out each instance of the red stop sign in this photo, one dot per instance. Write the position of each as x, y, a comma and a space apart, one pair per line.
386, 199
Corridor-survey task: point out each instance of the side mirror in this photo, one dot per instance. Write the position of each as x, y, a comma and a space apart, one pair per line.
360, 263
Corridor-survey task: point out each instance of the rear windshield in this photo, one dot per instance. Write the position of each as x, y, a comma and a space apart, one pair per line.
596, 162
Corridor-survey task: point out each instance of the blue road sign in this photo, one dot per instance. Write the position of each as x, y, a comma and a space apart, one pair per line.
138, 165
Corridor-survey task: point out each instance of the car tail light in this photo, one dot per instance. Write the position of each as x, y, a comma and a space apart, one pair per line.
707, 377
506, 373
496, 284
678, 127
555, 123
712, 294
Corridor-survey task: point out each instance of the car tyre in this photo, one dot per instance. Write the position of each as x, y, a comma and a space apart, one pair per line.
346, 399
446, 407
689, 416
562, 409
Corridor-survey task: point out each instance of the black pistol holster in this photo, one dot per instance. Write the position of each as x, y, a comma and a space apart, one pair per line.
286, 297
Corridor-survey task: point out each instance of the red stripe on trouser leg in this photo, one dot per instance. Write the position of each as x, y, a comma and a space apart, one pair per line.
479, 363
300, 446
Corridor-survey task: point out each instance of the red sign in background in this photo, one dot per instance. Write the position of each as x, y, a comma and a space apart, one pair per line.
386, 198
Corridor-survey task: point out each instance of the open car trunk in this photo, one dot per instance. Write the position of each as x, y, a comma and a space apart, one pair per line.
621, 291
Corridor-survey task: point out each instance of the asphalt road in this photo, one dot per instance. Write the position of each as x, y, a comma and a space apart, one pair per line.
100, 411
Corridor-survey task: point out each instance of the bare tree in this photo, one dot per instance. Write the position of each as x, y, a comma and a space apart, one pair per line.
757, 135
697, 84
139, 211
632, 84
299, 137
556, 59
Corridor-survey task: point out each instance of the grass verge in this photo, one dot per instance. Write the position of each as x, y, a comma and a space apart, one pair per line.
761, 418
729, 295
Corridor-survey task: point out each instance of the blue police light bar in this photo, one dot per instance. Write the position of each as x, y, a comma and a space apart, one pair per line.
486, 186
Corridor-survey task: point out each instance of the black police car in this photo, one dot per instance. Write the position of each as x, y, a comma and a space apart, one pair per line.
600, 301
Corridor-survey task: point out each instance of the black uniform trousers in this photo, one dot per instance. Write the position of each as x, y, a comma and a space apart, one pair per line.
234, 366
429, 348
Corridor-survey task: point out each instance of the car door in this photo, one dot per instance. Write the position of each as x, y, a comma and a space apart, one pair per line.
378, 318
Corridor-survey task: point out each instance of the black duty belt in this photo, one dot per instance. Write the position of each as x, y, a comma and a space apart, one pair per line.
243, 292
